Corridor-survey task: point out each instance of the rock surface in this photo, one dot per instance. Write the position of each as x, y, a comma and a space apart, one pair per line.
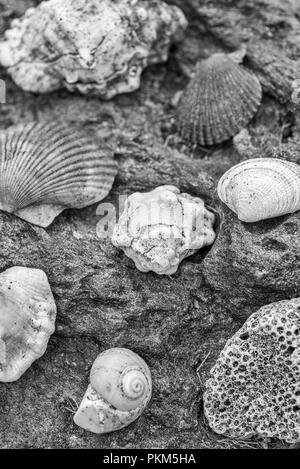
177, 324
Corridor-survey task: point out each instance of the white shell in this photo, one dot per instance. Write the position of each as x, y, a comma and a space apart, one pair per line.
261, 188
98, 46
119, 391
160, 228
27, 318
46, 168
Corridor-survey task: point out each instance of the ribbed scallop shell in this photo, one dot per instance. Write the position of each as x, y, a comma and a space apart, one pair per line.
218, 102
27, 318
48, 167
120, 389
158, 229
261, 188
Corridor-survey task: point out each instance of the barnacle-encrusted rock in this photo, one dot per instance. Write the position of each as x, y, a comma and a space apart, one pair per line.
27, 317
99, 46
119, 391
261, 188
48, 167
219, 101
254, 387
160, 228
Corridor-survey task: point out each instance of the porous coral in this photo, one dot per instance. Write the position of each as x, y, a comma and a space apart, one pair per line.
254, 387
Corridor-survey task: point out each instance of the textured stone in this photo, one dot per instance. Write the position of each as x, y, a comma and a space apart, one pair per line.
176, 324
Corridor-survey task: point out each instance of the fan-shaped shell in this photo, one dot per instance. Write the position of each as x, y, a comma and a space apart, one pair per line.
27, 317
48, 167
261, 188
120, 389
158, 229
219, 101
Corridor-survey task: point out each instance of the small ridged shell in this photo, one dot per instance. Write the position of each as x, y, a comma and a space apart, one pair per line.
158, 229
48, 167
261, 188
218, 102
120, 389
27, 318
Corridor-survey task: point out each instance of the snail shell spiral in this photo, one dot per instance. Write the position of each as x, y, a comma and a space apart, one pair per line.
120, 389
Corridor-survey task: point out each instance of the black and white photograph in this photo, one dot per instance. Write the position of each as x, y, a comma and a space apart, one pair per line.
149, 227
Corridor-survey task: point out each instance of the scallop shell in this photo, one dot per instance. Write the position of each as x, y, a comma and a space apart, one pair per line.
27, 318
90, 46
261, 188
158, 229
46, 168
219, 101
119, 391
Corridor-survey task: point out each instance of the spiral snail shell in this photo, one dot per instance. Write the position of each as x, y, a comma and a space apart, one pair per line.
119, 391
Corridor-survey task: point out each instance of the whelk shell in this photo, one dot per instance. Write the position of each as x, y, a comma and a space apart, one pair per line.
91, 46
120, 389
158, 229
27, 318
219, 101
48, 167
261, 188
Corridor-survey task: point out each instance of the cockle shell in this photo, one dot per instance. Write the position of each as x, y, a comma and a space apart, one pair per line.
47, 167
219, 101
27, 318
120, 389
160, 228
261, 188
97, 46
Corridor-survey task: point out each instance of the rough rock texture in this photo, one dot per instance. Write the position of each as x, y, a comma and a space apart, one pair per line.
178, 324
255, 385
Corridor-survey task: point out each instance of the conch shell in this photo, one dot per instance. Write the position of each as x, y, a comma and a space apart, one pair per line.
47, 167
90, 46
160, 228
261, 188
120, 389
27, 318
219, 101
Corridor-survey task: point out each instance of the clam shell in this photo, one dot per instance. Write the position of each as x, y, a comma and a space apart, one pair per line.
218, 102
158, 229
27, 317
261, 188
48, 167
119, 391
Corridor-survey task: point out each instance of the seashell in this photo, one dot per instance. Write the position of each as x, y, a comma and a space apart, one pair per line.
219, 101
158, 229
47, 167
120, 389
27, 318
90, 46
261, 188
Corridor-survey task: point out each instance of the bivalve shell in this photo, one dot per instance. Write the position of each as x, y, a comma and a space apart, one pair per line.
27, 318
48, 167
261, 188
219, 101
